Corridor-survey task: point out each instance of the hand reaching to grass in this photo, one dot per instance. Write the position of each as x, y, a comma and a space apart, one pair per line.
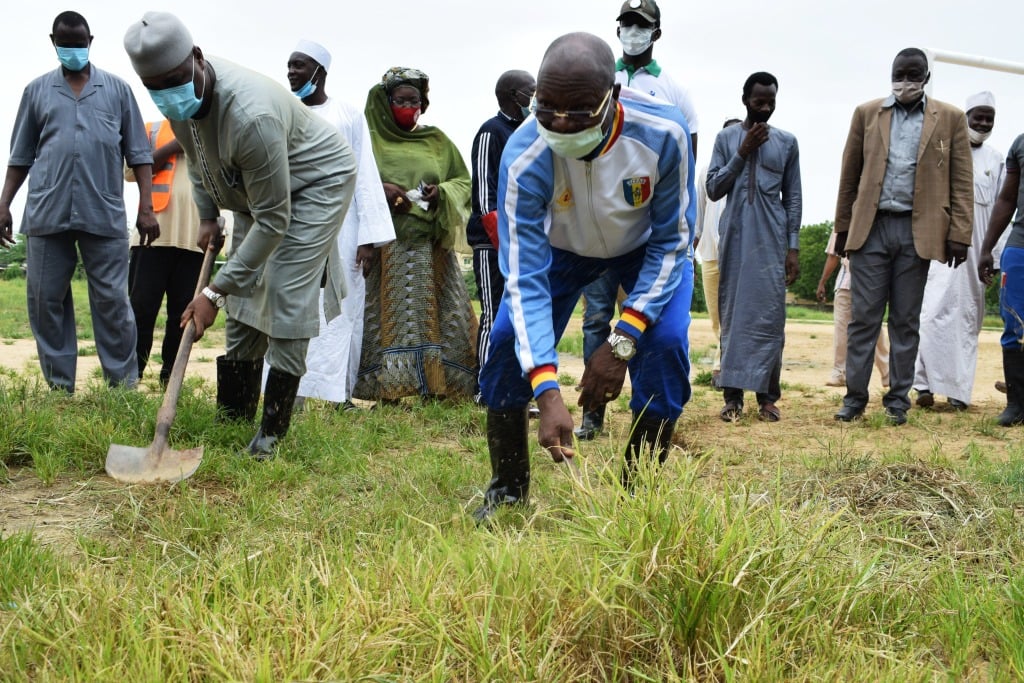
555, 431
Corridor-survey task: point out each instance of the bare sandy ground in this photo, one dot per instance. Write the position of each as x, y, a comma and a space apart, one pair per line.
807, 359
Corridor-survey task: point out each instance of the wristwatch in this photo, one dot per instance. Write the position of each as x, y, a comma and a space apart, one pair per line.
623, 347
218, 300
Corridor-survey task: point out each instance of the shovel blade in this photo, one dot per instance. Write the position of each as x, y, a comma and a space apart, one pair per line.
131, 465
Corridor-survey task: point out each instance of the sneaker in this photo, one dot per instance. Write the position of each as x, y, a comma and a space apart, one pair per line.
957, 405
836, 381
925, 399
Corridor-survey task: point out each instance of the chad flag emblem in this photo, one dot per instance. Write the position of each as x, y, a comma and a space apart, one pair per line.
637, 190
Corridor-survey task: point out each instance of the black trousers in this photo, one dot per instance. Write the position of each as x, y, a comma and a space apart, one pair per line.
490, 286
774, 390
152, 273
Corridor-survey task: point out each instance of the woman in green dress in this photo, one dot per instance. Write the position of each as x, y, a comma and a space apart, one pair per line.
419, 323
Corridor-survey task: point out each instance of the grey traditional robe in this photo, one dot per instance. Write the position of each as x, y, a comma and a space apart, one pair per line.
760, 224
288, 176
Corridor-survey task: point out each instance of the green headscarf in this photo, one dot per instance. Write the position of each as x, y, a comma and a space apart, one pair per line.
424, 154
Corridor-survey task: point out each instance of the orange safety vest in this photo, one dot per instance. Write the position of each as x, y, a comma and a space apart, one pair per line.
163, 178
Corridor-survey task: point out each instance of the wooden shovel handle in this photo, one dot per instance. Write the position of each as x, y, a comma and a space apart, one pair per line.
169, 407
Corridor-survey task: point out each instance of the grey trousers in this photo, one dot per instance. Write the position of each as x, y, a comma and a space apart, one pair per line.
51, 261
885, 271
243, 342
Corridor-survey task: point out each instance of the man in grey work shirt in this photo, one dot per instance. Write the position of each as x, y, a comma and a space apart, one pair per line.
76, 128
906, 196
255, 149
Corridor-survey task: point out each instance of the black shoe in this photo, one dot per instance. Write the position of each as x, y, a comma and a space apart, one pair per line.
849, 414
1011, 416
957, 405
346, 406
925, 398
896, 416
731, 412
592, 425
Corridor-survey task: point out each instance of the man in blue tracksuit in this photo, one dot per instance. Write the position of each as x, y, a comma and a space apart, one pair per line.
599, 178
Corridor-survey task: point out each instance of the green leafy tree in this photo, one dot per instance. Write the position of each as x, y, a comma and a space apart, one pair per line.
13, 260
698, 305
813, 240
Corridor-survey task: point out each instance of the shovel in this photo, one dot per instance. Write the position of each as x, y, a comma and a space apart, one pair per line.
158, 463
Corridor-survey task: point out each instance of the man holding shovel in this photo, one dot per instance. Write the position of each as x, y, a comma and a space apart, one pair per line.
254, 149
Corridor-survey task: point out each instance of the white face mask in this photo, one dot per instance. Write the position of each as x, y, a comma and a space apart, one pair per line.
635, 40
572, 145
977, 137
907, 92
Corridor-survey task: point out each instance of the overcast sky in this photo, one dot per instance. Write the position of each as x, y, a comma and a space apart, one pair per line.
828, 56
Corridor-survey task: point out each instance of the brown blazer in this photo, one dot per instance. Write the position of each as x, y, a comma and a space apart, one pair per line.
943, 182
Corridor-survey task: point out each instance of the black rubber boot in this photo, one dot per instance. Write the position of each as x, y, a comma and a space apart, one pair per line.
649, 435
508, 444
1013, 372
278, 403
238, 388
592, 425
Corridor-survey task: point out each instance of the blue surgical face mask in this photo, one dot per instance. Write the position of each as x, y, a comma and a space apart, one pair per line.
572, 145
73, 58
525, 110
180, 102
308, 89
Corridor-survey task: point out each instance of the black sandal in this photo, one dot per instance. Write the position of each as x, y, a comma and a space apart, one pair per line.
732, 411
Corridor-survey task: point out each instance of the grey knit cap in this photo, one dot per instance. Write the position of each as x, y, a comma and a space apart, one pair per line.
157, 43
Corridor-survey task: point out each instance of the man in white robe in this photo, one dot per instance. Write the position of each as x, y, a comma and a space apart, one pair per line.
954, 299
332, 360
705, 246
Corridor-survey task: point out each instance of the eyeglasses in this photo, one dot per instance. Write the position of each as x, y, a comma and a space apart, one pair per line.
406, 102
574, 115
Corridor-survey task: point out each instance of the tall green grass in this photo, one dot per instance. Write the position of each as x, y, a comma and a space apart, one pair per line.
351, 557
822, 553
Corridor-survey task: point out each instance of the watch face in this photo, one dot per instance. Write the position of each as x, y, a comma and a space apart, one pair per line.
624, 349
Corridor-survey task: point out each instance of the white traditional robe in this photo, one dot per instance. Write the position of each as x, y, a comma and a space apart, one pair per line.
954, 299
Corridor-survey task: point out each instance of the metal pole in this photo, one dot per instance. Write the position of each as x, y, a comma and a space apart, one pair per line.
974, 61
